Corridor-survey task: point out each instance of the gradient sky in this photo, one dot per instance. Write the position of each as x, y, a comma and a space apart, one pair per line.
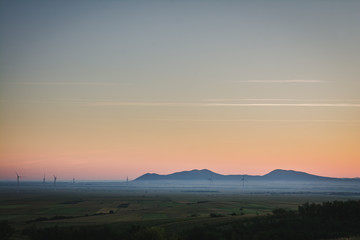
109, 89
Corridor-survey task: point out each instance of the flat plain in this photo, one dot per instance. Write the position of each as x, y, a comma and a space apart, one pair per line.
121, 205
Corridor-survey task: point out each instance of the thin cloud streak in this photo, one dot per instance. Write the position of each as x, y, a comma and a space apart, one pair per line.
278, 99
146, 104
284, 104
248, 99
252, 120
189, 104
285, 81
68, 83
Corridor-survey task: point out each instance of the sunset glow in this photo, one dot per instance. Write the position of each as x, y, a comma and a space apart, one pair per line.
105, 90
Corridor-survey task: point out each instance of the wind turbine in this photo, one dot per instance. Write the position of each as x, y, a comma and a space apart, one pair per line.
44, 179
243, 180
17, 179
210, 179
127, 179
55, 180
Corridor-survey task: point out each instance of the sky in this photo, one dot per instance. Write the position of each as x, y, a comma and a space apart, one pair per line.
108, 89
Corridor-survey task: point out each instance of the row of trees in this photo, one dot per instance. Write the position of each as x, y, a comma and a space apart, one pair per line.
338, 210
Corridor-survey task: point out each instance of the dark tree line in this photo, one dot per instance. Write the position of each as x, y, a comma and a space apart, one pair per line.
327, 220
338, 210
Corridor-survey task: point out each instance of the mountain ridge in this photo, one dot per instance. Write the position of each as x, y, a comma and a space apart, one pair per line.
205, 174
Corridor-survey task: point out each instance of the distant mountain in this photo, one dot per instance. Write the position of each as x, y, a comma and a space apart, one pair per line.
286, 175
185, 175
205, 174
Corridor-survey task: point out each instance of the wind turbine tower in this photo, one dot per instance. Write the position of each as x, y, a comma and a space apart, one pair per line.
17, 179
44, 179
55, 180
243, 180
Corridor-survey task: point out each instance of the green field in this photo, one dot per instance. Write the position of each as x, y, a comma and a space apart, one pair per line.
122, 209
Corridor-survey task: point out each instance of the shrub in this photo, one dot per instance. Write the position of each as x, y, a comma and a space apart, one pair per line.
6, 231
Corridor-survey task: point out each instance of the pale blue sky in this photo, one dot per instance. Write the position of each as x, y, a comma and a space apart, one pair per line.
171, 47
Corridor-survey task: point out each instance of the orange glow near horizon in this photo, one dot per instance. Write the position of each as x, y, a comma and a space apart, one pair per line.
250, 149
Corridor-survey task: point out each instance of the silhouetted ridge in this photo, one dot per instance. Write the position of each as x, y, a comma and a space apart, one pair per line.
287, 175
195, 174
205, 174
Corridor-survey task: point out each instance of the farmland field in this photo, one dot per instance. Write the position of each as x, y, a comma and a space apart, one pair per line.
122, 206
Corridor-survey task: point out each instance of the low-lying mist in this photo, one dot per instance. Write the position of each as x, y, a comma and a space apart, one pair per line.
336, 187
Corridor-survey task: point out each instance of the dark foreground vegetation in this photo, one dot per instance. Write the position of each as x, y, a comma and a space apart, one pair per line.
329, 220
